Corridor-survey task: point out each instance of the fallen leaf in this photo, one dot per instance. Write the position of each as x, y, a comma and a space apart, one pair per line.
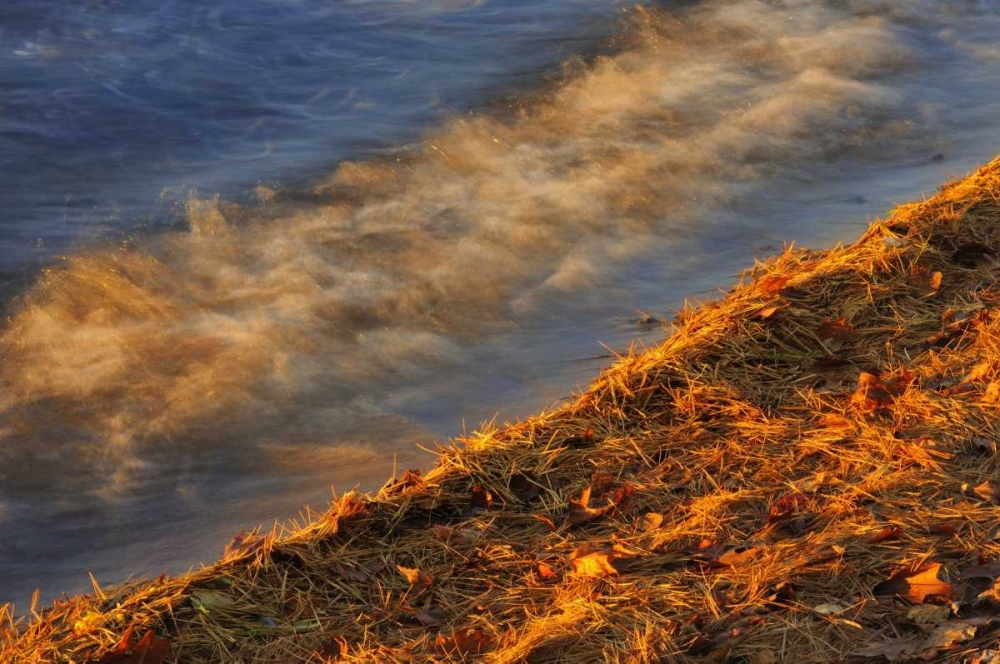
936, 281
769, 312
786, 507
991, 594
333, 649
431, 617
772, 283
892, 651
464, 642
874, 393
983, 445
545, 572
948, 634
834, 421
150, 649
650, 521
443, 532
831, 609
580, 510
580, 440
243, 543
985, 656
88, 622
482, 499
928, 614
831, 361
524, 486
734, 557
416, 578
207, 601
888, 533
988, 491
546, 520
971, 254
595, 560
928, 580
838, 329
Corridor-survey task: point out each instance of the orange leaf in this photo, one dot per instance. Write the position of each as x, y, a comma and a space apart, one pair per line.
786, 507
416, 577
773, 283
481, 497
464, 642
545, 572
988, 491
936, 281
333, 649
149, 650
917, 584
594, 560
768, 312
838, 329
887, 533
739, 556
580, 510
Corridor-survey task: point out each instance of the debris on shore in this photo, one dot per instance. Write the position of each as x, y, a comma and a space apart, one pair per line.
805, 470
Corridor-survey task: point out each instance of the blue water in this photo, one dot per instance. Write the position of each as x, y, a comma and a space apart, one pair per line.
445, 208
111, 112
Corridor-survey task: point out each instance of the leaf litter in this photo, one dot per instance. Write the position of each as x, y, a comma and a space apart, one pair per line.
816, 484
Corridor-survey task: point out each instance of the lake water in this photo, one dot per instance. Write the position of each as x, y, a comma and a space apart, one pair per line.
251, 250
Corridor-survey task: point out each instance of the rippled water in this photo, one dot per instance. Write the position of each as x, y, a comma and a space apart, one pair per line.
325, 299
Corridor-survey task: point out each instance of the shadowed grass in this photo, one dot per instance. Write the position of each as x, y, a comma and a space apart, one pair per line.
806, 470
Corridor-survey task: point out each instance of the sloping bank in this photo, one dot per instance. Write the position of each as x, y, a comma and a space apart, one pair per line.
805, 470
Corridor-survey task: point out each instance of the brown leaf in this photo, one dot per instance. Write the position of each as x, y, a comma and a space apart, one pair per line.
150, 649
443, 532
928, 614
936, 281
333, 649
581, 440
786, 507
831, 361
464, 642
650, 521
482, 499
988, 491
873, 393
768, 312
417, 579
949, 634
834, 421
971, 254
739, 556
581, 512
838, 329
545, 572
595, 560
243, 543
524, 486
890, 532
546, 520
773, 283
431, 617
916, 585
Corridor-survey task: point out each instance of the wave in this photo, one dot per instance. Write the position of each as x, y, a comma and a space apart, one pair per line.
282, 319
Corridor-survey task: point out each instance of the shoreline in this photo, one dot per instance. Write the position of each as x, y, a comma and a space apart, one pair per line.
805, 469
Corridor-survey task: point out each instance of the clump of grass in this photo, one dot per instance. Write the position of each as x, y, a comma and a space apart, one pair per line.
805, 470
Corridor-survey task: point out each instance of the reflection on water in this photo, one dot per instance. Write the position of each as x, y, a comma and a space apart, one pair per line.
159, 395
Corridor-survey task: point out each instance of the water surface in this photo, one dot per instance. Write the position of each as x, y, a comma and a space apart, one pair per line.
454, 238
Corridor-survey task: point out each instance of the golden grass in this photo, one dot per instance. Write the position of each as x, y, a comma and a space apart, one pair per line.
805, 470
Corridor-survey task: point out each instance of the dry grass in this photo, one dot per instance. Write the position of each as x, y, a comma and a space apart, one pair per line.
803, 471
